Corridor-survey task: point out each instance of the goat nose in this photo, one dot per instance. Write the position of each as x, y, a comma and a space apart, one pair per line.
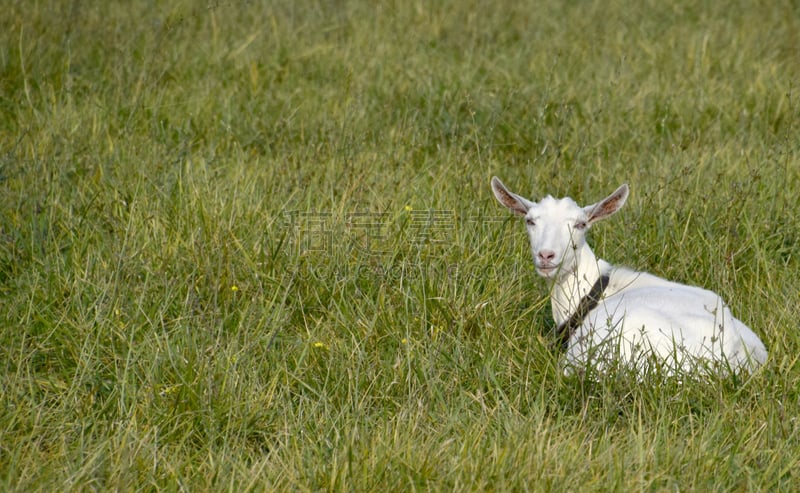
547, 255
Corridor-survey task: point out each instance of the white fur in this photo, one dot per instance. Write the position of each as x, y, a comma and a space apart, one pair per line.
640, 315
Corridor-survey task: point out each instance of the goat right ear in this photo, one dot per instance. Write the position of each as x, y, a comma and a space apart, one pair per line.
518, 205
608, 205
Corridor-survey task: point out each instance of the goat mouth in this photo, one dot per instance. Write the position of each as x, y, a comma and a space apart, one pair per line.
546, 270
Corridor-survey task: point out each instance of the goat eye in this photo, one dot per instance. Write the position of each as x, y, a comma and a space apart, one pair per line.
530, 222
580, 225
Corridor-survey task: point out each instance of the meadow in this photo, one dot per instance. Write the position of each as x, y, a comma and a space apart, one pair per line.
251, 245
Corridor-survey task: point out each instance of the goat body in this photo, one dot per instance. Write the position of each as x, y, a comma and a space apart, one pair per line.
639, 315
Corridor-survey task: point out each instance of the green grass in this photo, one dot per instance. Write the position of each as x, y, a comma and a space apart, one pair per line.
252, 246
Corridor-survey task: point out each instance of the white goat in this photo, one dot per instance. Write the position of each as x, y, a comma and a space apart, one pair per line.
606, 313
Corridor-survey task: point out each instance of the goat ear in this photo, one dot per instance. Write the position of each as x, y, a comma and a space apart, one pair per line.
517, 204
608, 205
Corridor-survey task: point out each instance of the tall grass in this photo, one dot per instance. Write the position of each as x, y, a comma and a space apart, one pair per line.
251, 245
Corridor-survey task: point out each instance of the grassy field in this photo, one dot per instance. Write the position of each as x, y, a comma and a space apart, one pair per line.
251, 246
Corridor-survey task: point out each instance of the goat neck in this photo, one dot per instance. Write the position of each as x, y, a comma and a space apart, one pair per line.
574, 282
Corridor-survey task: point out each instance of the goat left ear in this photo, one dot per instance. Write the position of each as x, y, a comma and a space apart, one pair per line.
608, 205
518, 205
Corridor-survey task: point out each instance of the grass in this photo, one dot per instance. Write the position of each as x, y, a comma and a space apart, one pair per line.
252, 246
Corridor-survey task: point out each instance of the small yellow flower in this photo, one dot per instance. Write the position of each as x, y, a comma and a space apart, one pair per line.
408, 208
320, 345
234, 288
404, 341
170, 389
